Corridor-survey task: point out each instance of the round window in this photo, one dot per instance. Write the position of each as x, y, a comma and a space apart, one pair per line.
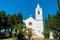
30, 23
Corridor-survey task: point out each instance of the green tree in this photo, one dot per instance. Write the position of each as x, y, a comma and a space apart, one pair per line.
58, 1
13, 22
29, 33
9, 21
57, 25
14, 19
52, 24
48, 25
19, 17
46, 29
2, 19
8, 24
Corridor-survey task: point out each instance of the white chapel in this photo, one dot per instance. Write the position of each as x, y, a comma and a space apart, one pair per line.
36, 24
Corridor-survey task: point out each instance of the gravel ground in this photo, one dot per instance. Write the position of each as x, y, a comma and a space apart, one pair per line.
15, 39
38, 39
8, 39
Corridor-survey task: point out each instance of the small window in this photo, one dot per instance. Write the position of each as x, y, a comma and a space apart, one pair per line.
39, 31
30, 23
38, 12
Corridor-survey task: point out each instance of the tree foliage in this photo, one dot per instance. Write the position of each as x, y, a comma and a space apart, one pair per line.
12, 22
52, 23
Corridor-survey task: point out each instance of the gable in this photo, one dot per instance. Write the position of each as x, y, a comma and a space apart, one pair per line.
29, 19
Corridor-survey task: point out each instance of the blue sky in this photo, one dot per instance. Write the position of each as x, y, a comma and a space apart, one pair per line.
27, 7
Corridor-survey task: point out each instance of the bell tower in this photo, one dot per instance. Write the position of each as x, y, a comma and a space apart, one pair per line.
38, 13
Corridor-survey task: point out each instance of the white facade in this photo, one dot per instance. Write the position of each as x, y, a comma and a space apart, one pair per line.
37, 23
